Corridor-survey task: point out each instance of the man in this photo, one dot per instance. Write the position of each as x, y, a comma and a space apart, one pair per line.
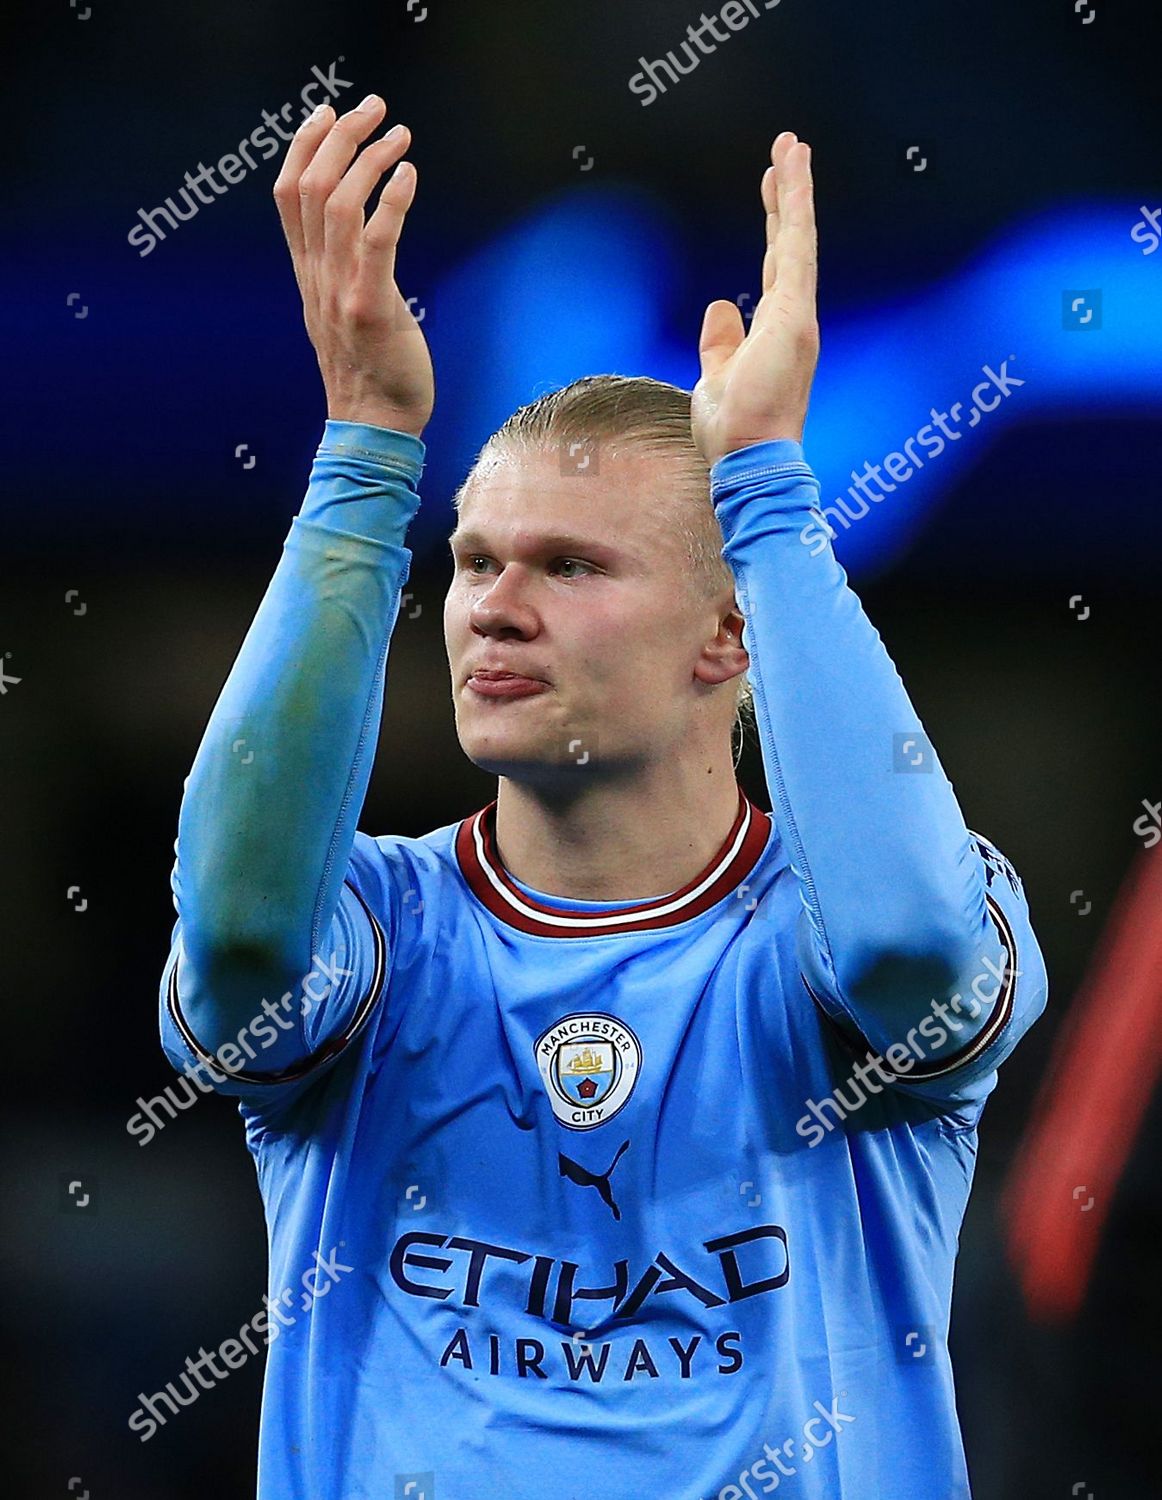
632, 1125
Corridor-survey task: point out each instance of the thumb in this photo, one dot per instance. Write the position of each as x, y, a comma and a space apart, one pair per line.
722, 332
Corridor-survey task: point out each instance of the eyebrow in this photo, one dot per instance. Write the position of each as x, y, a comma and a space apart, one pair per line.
560, 542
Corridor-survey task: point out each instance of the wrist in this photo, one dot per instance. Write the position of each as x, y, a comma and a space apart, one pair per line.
783, 435
376, 414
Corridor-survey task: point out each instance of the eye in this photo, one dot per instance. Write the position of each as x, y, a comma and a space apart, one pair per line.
573, 562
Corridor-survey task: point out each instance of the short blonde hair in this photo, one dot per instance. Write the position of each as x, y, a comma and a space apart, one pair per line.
651, 415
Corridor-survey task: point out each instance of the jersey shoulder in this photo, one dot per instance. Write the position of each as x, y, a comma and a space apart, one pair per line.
402, 877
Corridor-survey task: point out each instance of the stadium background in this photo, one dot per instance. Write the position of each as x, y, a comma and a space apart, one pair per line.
166, 408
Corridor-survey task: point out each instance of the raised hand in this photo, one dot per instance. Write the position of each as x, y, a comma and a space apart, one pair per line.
374, 360
755, 386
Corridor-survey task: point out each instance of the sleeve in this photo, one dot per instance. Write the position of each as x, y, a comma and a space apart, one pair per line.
952, 1049
914, 937
285, 919
290, 1038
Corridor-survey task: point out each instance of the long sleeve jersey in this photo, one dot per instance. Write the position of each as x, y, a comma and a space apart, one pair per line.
634, 1198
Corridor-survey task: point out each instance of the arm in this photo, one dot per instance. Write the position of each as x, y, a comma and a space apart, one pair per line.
914, 930
264, 882
902, 914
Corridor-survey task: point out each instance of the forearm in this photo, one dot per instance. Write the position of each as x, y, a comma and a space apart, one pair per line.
269, 814
891, 883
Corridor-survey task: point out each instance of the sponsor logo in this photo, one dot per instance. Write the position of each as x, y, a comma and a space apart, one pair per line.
469, 1274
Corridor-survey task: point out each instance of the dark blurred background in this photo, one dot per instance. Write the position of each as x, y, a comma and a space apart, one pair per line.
979, 169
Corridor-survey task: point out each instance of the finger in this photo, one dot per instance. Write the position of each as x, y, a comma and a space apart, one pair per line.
722, 332
792, 291
304, 143
330, 161
774, 200
771, 204
381, 236
343, 215
798, 246
780, 151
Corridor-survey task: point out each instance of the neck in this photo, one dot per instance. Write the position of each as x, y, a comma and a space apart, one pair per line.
618, 839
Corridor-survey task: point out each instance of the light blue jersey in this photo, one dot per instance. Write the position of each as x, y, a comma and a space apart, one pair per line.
629, 1199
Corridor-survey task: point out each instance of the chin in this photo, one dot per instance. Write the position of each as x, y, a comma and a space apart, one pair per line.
518, 757
500, 751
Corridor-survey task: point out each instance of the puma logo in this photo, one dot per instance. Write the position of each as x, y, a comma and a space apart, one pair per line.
583, 1177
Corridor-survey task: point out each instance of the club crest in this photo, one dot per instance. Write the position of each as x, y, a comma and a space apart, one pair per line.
589, 1065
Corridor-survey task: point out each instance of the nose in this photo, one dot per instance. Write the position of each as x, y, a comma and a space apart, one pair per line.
505, 608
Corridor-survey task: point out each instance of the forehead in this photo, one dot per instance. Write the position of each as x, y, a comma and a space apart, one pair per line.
622, 502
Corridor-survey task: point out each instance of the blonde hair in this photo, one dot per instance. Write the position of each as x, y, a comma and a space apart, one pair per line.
597, 411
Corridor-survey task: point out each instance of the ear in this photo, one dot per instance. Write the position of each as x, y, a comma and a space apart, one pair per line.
725, 656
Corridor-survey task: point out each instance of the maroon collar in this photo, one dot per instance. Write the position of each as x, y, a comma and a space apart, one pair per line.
492, 885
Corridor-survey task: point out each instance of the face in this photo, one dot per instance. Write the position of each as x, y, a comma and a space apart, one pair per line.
577, 586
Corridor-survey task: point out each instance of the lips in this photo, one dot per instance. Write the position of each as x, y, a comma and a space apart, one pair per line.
491, 674
496, 683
